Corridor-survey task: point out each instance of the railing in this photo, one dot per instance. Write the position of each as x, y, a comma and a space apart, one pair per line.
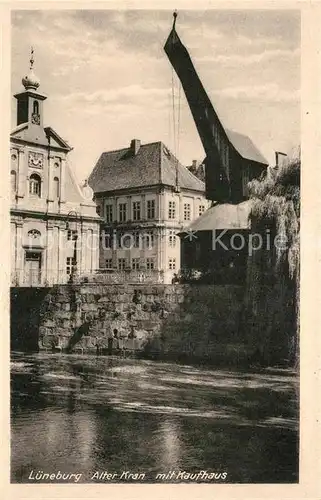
35, 278
130, 276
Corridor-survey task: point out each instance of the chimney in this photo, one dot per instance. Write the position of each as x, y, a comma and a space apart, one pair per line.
134, 146
277, 156
193, 167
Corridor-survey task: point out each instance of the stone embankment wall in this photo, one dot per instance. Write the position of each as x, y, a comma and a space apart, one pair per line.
167, 321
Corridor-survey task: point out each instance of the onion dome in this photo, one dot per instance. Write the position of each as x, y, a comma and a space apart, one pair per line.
31, 82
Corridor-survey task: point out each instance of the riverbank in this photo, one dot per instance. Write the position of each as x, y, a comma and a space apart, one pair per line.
173, 322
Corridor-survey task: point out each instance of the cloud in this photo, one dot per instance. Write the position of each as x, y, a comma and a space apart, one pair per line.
125, 101
128, 93
248, 59
269, 92
107, 77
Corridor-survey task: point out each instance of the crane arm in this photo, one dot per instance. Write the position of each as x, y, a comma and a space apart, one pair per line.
211, 132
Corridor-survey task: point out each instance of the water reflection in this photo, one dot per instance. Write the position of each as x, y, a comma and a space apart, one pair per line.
86, 414
171, 445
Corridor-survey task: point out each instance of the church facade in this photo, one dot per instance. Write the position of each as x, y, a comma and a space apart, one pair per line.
54, 223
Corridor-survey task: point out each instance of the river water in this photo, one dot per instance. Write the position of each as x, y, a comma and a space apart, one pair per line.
135, 419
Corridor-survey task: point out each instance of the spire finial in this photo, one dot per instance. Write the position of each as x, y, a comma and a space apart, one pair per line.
175, 14
31, 82
32, 60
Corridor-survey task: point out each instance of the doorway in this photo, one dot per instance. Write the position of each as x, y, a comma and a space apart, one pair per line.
33, 268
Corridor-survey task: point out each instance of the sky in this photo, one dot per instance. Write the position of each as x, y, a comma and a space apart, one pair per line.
108, 79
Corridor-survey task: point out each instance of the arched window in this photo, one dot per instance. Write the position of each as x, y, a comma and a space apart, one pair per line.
35, 185
56, 187
34, 234
13, 180
36, 107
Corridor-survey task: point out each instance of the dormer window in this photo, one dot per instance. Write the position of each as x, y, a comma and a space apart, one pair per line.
35, 185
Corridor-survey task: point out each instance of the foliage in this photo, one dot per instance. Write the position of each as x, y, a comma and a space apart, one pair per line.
273, 315
276, 204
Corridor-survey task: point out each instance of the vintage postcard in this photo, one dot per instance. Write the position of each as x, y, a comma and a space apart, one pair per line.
160, 248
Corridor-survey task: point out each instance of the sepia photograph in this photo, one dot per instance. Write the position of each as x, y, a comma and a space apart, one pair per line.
155, 160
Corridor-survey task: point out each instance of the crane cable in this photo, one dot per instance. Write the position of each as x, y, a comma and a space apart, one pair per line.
176, 129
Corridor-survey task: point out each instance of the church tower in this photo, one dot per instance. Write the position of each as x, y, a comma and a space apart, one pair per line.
30, 102
51, 216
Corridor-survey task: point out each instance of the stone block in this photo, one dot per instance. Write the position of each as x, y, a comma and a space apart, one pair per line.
48, 341
62, 298
43, 331
103, 299
49, 323
62, 315
147, 324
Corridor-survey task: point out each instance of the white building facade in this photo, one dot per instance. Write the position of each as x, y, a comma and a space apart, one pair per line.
54, 223
145, 198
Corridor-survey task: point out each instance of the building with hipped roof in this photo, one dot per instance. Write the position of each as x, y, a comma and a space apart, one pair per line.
217, 250
54, 223
145, 197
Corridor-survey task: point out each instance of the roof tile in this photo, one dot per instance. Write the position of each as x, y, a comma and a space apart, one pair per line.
153, 165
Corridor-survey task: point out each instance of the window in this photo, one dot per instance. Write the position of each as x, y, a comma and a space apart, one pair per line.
121, 264
36, 107
120, 239
135, 264
56, 187
72, 235
136, 239
35, 117
70, 263
136, 210
201, 210
127, 241
109, 263
149, 264
108, 239
149, 239
35, 185
122, 212
109, 213
171, 209
187, 211
13, 181
172, 264
172, 239
34, 234
150, 209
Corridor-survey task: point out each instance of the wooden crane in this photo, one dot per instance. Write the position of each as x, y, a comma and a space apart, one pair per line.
227, 170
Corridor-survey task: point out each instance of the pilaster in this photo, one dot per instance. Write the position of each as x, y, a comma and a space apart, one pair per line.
22, 172
19, 264
129, 208
50, 197
63, 180
144, 208
51, 254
